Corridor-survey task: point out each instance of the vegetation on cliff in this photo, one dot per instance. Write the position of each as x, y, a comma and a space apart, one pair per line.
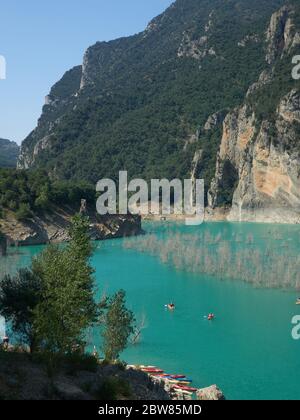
137, 102
9, 152
27, 192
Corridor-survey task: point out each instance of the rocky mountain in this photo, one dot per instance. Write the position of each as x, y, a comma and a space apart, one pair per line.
258, 163
205, 90
9, 152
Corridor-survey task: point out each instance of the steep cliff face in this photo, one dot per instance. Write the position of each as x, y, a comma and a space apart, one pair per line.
257, 172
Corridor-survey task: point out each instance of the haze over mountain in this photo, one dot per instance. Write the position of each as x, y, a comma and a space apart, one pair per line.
205, 90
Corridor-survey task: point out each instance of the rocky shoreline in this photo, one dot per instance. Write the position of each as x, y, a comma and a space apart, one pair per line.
179, 393
28, 380
52, 227
225, 214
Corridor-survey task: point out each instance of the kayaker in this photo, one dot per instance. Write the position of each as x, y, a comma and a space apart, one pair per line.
171, 306
5, 342
211, 317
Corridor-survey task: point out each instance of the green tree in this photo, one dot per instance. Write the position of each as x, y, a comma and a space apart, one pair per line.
67, 307
23, 212
42, 201
19, 296
118, 326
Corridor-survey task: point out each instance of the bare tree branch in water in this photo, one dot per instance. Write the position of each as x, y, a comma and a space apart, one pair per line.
275, 264
141, 325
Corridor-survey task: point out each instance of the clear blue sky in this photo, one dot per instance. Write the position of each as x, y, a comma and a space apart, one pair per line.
41, 40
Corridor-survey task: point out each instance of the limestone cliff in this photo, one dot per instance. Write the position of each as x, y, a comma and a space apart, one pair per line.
257, 174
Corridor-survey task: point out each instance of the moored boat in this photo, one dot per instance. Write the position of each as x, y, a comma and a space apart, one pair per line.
177, 382
152, 371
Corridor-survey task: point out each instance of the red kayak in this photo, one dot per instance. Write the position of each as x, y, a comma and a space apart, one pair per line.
155, 371
185, 388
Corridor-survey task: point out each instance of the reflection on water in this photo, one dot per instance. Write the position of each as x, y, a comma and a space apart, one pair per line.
9, 265
266, 257
248, 351
12, 262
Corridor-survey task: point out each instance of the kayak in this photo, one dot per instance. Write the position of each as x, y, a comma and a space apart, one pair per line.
148, 367
184, 380
177, 382
153, 371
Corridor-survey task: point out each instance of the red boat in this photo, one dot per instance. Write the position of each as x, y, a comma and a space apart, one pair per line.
177, 376
185, 388
154, 371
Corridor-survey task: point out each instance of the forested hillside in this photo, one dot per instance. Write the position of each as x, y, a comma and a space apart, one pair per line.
140, 103
8, 153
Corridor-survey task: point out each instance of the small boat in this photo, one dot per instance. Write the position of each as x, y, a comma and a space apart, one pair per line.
185, 388
298, 302
184, 380
163, 376
170, 306
177, 376
177, 382
150, 367
152, 371
211, 317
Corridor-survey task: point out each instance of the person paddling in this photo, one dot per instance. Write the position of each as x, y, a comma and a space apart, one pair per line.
5, 342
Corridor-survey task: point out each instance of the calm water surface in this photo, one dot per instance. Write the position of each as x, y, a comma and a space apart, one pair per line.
248, 350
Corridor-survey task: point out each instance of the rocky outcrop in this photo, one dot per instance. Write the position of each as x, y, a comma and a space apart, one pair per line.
53, 227
258, 168
212, 393
214, 120
282, 34
238, 132
197, 49
28, 380
257, 173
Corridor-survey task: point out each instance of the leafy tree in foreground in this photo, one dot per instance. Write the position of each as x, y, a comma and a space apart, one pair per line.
67, 307
19, 296
119, 325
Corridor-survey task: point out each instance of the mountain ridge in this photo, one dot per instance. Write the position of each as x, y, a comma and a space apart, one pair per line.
144, 103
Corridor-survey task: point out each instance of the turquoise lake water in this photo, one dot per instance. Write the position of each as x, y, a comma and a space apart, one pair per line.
248, 350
